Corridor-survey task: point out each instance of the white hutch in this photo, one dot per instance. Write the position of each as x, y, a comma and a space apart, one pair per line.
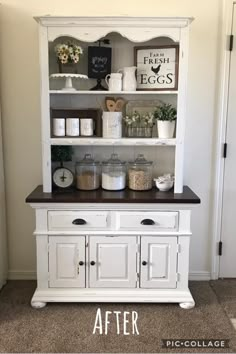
113, 256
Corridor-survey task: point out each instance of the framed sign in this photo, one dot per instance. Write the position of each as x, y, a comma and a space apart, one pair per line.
157, 67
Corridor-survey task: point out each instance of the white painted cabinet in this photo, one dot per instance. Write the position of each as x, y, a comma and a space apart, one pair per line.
112, 262
66, 261
113, 233
159, 262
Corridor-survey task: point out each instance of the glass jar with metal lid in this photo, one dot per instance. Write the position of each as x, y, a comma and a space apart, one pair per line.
114, 174
140, 174
88, 173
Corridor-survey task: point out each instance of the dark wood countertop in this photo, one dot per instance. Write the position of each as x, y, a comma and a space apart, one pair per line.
124, 196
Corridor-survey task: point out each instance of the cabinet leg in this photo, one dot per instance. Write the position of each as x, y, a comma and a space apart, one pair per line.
187, 305
38, 304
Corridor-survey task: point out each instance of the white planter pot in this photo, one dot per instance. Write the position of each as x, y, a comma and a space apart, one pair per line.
165, 129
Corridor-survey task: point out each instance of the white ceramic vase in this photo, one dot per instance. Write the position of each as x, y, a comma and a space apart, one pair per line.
165, 129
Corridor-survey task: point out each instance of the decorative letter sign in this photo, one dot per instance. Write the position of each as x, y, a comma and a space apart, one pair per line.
157, 67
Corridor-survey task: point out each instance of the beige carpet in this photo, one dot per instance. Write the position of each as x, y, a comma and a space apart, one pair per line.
225, 290
68, 327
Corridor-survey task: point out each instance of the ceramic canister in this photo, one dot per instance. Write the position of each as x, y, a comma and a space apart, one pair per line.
58, 126
72, 126
112, 125
86, 127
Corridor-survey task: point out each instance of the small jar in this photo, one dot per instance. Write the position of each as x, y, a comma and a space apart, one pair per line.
114, 174
140, 174
86, 126
72, 126
88, 174
58, 127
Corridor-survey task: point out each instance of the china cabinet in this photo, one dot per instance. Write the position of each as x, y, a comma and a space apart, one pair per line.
109, 245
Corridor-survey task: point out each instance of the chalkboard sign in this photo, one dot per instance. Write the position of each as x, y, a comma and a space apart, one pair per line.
99, 62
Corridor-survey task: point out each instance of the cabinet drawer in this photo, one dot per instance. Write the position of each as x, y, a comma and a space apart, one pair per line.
148, 220
76, 220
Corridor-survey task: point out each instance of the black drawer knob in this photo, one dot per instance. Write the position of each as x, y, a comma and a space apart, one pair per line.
92, 263
148, 222
79, 222
144, 263
81, 263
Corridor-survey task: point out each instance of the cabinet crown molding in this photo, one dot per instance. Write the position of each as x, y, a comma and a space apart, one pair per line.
113, 21
135, 29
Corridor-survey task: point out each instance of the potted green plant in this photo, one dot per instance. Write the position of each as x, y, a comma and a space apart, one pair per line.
166, 116
61, 153
68, 55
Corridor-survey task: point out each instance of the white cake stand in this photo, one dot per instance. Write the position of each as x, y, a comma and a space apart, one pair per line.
69, 77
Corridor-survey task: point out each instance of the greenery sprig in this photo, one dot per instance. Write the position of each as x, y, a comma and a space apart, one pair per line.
138, 119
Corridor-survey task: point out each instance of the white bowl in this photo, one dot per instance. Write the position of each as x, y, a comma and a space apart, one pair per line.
164, 186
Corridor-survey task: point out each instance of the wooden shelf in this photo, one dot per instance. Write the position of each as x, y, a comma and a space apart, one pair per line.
118, 142
104, 93
103, 196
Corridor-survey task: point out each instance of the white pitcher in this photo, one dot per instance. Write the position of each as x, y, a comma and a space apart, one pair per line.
129, 78
114, 82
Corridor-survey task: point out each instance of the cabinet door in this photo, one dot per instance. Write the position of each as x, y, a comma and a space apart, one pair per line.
112, 262
158, 262
67, 261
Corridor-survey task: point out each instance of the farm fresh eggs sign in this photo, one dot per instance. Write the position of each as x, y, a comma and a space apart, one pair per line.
157, 67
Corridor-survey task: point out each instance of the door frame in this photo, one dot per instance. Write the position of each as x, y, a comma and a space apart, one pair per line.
3, 225
222, 97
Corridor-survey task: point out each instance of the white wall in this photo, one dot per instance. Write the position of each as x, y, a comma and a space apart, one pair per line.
21, 121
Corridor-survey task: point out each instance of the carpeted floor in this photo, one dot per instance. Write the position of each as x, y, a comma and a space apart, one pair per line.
67, 328
226, 293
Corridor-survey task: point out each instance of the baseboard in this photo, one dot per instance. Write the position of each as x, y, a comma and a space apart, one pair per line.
2, 283
31, 275
199, 276
21, 275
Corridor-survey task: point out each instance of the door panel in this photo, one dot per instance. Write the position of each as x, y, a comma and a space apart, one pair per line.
228, 234
158, 262
65, 253
115, 262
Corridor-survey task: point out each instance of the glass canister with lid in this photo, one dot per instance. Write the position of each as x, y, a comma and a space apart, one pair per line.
140, 174
88, 174
114, 174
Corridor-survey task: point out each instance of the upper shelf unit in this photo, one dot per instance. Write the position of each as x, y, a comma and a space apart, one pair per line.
127, 35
